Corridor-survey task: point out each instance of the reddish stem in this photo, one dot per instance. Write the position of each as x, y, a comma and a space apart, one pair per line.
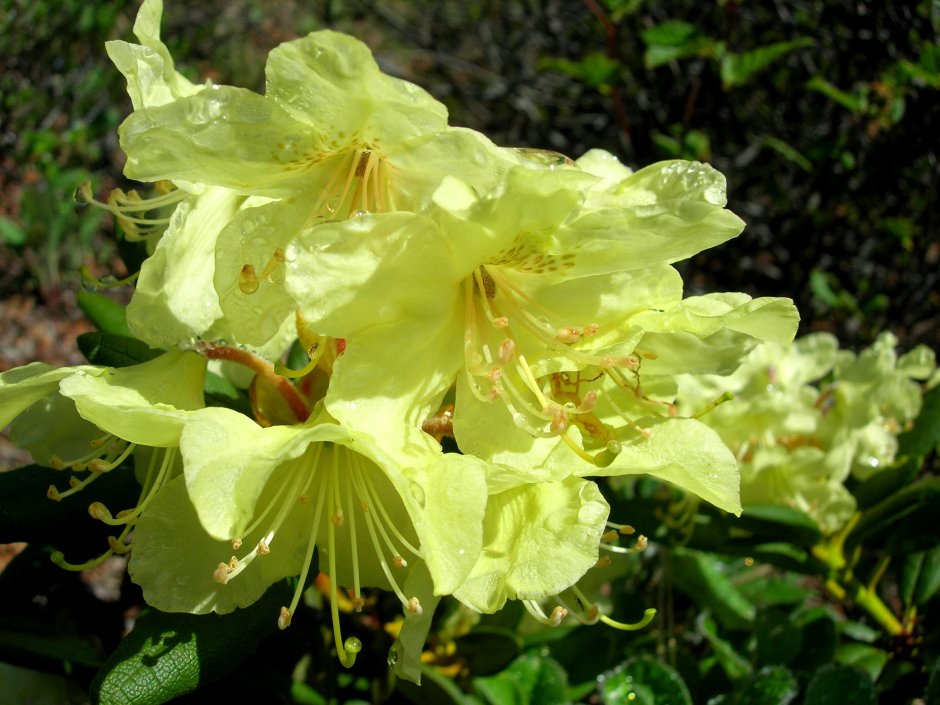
265, 369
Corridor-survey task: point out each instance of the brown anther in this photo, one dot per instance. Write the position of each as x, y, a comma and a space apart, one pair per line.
263, 548
489, 286
559, 422
233, 562
591, 329
74, 482
558, 615
602, 562
495, 375
414, 606
610, 536
220, 574
236, 544
627, 530
56, 463
337, 519
507, 349
568, 335
399, 562
53, 494
98, 465
641, 543
589, 401
98, 511
303, 499
501, 322
363, 162
493, 393
283, 619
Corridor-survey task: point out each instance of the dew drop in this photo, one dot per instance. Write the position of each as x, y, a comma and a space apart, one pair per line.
417, 491
394, 654
521, 420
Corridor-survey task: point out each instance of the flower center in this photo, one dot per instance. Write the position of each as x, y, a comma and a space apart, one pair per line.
348, 500
503, 323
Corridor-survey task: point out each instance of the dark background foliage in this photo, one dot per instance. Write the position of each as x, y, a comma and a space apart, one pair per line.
821, 113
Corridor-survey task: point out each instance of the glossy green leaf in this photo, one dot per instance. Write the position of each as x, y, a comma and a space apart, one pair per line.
734, 664
168, 655
905, 521
773, 685
779, 523
701, 577
834, 684
924, 436
643, 681
868, 658
529, 680
107, 315
114, 350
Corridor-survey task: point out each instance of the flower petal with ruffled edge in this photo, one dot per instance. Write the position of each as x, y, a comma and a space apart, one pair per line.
148, 67
538, 540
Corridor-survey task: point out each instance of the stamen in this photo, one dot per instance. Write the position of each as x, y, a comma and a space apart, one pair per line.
558, 613
284, 619
347, 658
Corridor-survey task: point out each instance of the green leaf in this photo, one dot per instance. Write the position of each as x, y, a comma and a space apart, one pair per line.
11, 233
932, 694
924, 436
920, 576
220, 391
701, 577
868, 658
671, 33
168, 655
779, 639
529, 680
488, 650
915, 505
788, 152
435, 689
835, 683
114, 350
737, 69
734, 665
778, 523
673, 40
643, 681
856, 104
887, 482
107, 315
773, 685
